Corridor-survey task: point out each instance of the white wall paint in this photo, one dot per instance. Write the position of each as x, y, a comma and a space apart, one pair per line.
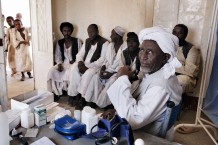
107, 14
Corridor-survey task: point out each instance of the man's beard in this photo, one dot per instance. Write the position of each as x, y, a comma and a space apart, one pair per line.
145, 70
67, 36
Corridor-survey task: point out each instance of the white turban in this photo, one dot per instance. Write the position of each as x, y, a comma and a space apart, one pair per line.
168, 44
119, 30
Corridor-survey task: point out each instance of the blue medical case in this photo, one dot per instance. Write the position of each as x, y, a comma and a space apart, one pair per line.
69, 127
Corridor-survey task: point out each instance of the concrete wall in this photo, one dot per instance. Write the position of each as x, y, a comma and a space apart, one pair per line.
107, 14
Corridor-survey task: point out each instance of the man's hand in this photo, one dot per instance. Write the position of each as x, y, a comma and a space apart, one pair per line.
80, 63
26, 42
126, 70
105, 74
81, 66
71, 62
103, 68
109, 114
83, 69
60, 67
6, 50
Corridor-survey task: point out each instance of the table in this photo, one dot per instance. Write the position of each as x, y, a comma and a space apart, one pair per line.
60, 140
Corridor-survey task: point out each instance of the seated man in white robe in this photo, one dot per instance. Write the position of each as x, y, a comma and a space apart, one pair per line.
88, 61
110, 67
129, 57
65, 56
145, 110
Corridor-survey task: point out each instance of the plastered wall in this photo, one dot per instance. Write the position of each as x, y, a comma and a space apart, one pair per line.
107, 14
197, 15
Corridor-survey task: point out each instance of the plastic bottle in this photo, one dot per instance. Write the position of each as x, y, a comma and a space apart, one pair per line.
77, 115
139, 141
27, 118
89, 118
4, 129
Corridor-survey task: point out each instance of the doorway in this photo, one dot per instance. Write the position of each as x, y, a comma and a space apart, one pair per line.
11, 8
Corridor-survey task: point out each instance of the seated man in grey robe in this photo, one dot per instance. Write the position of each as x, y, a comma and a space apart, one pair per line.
146, 108
189, 57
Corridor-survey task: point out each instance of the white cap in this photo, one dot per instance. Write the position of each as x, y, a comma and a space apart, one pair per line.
119, 30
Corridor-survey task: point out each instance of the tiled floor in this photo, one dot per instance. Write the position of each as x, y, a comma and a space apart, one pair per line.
197, 138
16, 87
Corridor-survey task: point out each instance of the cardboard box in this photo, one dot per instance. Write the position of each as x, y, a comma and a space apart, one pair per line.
44, 97
50, 114
40, 115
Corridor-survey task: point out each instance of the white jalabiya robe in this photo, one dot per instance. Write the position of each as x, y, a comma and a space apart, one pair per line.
81, 81
103, 99
189, 70
145, 114
23, 61
10, 46
58, 81
96, 85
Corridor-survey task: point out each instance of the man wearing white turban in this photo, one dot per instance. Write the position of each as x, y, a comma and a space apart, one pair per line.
110, 67
145, 109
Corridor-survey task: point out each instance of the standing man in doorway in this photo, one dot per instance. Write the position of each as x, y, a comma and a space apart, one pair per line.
22, 55
10, 45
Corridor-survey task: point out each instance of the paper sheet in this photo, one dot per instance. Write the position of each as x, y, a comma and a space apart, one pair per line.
32, 132
43, 141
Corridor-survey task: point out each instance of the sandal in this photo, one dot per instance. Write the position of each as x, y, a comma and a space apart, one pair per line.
22, 78
29, 74
187, 130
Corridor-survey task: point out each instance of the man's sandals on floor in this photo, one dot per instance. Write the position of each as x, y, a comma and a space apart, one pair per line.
187, 130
